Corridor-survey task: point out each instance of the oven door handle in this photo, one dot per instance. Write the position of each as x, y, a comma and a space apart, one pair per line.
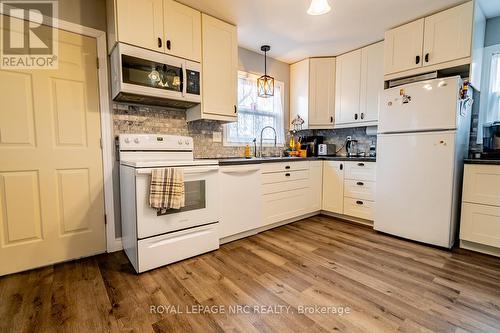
189, 171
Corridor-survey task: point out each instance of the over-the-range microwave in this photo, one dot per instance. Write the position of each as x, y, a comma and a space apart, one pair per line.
152, 78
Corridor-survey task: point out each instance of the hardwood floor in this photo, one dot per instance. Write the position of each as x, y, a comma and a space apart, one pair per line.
388, 285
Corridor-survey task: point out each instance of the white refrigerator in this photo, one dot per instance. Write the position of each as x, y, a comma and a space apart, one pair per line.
423, 137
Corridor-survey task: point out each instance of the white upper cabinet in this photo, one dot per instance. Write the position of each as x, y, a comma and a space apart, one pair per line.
182, 30
435, 42
160, 25
359, 82
321, 92
372, 81
312, 92
220, 70
140, 23
347, 90
403, 47
448, 35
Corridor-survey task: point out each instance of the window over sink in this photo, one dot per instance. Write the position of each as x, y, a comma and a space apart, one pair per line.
255, 113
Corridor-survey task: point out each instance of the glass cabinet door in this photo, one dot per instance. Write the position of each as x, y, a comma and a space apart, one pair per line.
151, 74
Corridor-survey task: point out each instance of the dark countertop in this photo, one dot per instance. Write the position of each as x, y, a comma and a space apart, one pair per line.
481, 161
242, 161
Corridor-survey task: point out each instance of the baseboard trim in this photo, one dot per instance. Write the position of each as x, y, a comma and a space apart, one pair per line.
348, 218
486, 249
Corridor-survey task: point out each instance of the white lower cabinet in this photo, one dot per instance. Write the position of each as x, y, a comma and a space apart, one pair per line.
363, 209
289, 190
480, 220
240, 199
333, 187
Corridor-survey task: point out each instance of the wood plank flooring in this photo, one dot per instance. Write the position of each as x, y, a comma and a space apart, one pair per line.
388, 285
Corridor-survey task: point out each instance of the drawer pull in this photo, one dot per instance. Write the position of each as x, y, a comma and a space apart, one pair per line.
287, 174
341, 166
361, 164
359, 202
360, 183
287, 167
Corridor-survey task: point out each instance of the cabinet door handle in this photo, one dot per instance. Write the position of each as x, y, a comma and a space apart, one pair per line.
331, 119
235, 109
159, 42
169, 44
355, 116
362, 115
359, 202
417, 59
341, 166
360, 183
287, 174
361, 164
287, 167
427, 57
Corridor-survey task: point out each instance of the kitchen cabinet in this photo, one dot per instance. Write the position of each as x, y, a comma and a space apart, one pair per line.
315, 185
480, 219
359, 189
312, 92
333, 187
160, 25
240, 199
435, 42
182, 30
359, 83
220, 71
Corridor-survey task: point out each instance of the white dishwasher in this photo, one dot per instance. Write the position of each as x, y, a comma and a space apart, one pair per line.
240, 199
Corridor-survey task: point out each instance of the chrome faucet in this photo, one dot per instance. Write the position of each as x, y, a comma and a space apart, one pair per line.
261, 132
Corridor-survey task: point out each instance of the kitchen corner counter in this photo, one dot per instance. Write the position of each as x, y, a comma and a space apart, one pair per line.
481, 161
243, 161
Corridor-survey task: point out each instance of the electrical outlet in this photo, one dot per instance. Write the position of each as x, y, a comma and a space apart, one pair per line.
349, 138
217, 136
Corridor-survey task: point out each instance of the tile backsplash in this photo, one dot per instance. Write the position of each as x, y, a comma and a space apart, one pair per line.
149, 119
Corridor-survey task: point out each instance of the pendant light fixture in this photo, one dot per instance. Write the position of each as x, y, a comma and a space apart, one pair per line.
319, 7
265, 83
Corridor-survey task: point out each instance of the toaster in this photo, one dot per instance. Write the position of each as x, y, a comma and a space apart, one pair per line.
326, 149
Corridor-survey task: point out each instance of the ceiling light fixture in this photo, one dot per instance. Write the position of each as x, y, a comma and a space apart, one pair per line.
265, 83
319, 7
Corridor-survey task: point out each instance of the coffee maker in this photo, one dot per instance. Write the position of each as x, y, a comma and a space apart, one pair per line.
310, 143
491, 140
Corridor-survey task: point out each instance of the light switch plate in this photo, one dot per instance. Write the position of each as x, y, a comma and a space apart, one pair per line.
217, 136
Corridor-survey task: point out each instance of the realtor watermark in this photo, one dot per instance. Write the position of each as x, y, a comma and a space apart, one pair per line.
29, 34
243, 309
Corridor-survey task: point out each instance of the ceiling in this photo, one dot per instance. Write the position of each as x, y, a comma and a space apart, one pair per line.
491, 8
294, 35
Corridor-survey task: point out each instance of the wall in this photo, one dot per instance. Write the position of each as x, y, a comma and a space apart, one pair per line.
89, 13
492, 36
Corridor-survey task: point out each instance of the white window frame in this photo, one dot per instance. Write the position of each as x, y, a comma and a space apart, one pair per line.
484, 114
265, 143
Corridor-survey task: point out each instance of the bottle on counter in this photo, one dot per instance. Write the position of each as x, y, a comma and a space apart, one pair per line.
247, 152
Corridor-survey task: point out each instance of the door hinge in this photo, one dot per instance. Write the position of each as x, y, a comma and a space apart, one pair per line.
97, 62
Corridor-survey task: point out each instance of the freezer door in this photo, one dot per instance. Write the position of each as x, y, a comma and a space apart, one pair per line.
421, 106
414, 186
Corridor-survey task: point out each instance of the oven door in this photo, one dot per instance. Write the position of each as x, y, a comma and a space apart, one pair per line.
201, 202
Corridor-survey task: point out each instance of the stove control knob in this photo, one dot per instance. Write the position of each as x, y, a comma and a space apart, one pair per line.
180, 142
136, 140
127, 140
186, 142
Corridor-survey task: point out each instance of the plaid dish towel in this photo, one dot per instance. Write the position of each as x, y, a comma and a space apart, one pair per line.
167, 189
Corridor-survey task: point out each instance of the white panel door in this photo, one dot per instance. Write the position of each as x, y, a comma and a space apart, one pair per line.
333, 186
51, 182
403, 47
321, 92
448, 35
428, 105
414, 186
372, 81
220, 67
140, 23
347, 87
182, 25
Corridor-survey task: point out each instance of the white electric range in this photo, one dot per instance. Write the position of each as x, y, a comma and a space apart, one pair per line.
150, 239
